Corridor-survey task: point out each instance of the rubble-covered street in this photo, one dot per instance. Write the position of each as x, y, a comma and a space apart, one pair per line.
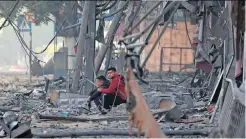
122, 69
29, 104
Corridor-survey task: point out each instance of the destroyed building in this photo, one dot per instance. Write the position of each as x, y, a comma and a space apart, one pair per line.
182, 62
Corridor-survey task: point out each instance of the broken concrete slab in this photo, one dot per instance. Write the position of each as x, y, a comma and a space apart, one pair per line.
9, 117
5, 127
23, 131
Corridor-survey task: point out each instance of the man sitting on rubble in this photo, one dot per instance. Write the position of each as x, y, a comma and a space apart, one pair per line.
96, 96
115, 94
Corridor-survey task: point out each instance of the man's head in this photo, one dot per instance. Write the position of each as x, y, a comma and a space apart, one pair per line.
100, 80
111, 72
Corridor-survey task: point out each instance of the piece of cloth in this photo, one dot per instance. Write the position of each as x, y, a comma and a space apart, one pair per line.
75, 48
117, 87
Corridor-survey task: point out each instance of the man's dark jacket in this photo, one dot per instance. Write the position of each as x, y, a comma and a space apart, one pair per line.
94, 93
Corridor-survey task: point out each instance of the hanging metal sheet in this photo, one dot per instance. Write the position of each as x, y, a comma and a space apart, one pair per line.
220, 31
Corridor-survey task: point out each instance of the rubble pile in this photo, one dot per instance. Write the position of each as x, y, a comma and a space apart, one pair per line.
33, 105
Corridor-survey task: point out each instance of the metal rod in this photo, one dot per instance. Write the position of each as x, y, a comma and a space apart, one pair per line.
157, 20
104, 8
90, 82
188, 6
131, 36
173, 64
151, 32
180, 58
134, 17
223, 86
159, 37
113, 13
216, 86
214, 112
72, 26
131, 46
161, 59
80, 119
151, 9
115, 132
148, 37
100, 5
30, 56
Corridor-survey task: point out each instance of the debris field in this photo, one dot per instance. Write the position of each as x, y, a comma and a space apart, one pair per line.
29, 104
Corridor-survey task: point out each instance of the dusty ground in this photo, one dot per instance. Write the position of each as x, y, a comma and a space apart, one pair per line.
175, 85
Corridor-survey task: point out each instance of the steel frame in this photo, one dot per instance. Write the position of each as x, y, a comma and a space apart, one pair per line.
159, 37
180, 62
136, 36
138, 23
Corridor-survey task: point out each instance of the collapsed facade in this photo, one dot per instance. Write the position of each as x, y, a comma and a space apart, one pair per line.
218, 80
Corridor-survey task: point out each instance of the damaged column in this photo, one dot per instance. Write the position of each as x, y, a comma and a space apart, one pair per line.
81, 45
90, 49
110, 35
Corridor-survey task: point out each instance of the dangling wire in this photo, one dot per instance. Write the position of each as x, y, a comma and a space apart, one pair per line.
158, 29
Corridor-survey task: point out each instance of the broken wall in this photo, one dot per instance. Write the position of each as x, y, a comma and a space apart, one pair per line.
174, 36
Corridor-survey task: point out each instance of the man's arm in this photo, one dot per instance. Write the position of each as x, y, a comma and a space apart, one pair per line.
92, 92
95, 95
113, 86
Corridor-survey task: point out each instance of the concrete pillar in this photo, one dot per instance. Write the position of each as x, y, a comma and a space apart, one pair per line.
90, 49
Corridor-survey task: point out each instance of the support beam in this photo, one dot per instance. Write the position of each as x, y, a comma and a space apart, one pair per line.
159, 37
143, 38
138, 23
115, 132
132, 46
81, 45
90, 49
109, 37
157, 20
133, 17
188, 6
72, 26
224, 65
30, 57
